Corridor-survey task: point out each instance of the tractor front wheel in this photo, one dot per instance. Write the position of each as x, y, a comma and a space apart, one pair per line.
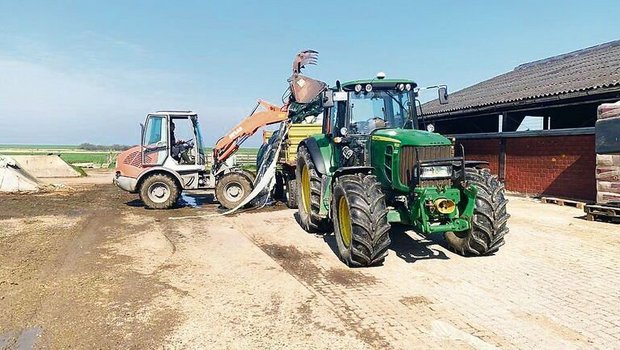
159, 191
489, 224
360, 220
309, 193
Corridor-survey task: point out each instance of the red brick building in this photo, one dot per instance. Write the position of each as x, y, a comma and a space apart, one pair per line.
535, 124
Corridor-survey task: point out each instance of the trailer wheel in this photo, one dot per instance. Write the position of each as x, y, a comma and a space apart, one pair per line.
489, 224
309, 193
159, 191
290, 193
360, 220
232, 188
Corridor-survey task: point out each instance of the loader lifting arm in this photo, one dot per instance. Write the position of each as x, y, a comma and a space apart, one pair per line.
228, 145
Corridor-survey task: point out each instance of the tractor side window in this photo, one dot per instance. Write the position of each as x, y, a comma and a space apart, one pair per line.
155, 133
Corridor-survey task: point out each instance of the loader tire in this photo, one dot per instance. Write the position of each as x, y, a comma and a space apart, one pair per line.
159, 191
489, 224
360, 220
232, 188
309, 193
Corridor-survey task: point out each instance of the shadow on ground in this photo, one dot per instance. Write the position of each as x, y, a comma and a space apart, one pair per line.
187, 200
406, 247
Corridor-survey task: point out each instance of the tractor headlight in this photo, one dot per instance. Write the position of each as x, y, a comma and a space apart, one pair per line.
435, 172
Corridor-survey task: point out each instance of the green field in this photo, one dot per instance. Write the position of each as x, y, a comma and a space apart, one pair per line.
72, 154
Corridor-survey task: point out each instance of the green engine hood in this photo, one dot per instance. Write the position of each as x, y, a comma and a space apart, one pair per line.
410, 137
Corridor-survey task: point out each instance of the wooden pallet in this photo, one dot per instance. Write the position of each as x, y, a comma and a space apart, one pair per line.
562, 202
596, 211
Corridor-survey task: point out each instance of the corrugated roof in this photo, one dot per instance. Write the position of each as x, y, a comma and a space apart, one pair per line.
588, 69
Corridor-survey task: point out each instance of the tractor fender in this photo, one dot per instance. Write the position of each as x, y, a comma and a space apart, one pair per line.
353, 170
315, 154
161, 170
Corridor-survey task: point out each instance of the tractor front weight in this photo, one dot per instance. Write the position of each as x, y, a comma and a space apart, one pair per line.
435, 210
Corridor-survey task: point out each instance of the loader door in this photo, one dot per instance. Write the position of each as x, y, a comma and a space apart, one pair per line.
155, 140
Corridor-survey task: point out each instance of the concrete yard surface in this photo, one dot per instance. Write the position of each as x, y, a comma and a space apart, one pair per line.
89, 268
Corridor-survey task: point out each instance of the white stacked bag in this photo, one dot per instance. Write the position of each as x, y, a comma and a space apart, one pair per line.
608, 165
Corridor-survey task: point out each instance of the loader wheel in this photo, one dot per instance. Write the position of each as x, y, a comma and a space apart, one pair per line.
490, 217
309, 193
232, 188
159, 191
360, 220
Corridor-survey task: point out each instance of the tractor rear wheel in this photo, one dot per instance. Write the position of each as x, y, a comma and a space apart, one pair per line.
360, 220
489, 224
309, 193
232, 188
159, 191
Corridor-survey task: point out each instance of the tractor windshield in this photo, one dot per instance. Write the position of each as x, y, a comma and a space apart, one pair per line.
378, 109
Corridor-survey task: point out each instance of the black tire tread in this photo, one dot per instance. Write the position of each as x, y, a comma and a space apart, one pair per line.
312, 222
370, 226
291, 193
489, 224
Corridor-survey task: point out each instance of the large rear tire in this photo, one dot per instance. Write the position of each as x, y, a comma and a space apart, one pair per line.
489, 224
159, 191
309, 193
232, 188
360, 220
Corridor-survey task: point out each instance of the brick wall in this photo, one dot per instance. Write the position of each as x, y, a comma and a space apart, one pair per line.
486, 149
561, 166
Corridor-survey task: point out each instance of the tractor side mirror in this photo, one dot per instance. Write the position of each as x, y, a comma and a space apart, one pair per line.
443, 95
328, 99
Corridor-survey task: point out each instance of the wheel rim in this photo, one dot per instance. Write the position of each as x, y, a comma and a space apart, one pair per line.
305, 188
344, 221
234, 192
159, 192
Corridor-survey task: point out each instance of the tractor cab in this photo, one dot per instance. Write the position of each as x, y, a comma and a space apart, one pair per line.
360, 107
172, 139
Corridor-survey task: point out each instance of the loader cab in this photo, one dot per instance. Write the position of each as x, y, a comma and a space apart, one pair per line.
362, 106
172, 139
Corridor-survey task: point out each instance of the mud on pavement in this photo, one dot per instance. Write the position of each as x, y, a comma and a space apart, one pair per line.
91, 268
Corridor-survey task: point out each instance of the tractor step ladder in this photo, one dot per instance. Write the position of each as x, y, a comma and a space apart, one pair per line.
562, 202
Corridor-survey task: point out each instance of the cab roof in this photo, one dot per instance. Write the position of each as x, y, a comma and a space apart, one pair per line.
378, 83
173, 113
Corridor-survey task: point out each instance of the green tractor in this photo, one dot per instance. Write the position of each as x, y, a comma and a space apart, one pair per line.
373, 165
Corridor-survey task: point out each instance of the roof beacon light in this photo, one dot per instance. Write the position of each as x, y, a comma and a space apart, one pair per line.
380, 75
368, 88
358, 88
408, 87
401, 87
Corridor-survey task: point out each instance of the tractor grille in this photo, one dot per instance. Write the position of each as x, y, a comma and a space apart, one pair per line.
408, 161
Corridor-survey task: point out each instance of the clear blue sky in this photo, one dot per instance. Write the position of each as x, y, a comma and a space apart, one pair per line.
89, 71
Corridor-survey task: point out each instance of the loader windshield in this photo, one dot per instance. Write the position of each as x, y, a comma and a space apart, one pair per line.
378, 109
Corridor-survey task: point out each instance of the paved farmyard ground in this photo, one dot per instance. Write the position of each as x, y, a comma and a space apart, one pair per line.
90, 268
